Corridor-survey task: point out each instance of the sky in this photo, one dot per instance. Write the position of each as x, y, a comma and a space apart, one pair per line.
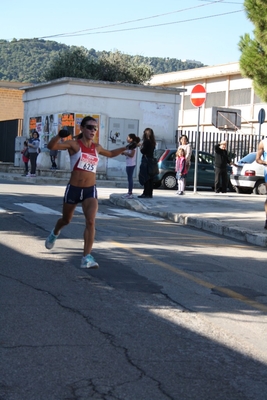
202, 30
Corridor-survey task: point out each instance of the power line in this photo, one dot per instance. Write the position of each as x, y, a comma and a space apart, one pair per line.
145, 27
226, 2
76, 33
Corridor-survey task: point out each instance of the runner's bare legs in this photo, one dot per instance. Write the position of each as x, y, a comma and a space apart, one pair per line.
90, 207
67, 214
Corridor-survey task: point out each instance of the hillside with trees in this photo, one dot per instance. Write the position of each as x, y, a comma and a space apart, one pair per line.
31, 60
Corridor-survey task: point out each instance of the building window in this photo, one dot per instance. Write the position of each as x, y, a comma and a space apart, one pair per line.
216, 99
187, 103
239, 97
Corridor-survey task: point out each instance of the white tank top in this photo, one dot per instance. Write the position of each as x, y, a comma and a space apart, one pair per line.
131, 161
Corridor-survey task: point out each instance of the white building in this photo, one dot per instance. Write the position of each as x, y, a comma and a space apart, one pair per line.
120, 109
225, 87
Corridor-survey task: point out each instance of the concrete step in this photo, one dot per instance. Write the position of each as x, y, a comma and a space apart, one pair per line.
57, 177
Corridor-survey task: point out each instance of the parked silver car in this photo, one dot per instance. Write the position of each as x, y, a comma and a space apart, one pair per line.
167, 175
248, 176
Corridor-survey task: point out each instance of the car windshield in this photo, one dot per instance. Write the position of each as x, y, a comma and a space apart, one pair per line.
248, 159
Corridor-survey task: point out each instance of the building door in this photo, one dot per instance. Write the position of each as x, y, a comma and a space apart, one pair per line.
9, 130
119, 129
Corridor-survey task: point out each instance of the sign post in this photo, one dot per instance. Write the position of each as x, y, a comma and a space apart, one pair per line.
197, 97
261, 119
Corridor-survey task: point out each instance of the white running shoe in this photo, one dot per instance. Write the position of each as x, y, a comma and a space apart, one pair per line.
50, 240
89, 262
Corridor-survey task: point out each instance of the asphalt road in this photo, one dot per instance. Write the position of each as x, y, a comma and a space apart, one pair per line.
172, 312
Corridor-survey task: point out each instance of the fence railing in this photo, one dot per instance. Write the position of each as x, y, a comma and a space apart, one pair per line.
238, 145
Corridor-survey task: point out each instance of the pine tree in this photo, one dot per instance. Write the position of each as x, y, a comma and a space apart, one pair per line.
253, 60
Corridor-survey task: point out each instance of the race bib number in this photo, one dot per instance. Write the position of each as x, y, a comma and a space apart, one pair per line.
88, 162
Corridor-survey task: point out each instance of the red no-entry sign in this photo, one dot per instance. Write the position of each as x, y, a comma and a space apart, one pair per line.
198, 95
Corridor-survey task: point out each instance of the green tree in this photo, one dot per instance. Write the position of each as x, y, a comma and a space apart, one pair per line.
253, 60
119, 67
112, 67
72, 63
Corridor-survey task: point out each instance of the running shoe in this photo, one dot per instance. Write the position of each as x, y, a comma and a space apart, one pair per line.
89, 262
50, 241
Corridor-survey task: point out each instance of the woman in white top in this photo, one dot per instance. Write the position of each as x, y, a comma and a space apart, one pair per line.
187, 148
188, 153
130, 154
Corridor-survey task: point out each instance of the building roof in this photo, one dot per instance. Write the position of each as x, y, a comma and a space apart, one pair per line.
12, 85
177, 77
90, 82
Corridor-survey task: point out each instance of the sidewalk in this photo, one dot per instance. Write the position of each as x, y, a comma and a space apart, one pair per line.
241, 217
238, 216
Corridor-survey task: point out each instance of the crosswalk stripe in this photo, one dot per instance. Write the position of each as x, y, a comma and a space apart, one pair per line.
98, 215
135, 214
37, 208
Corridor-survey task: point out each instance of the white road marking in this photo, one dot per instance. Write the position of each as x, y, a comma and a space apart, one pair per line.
135, 214
98, 215
37, 208
103, 215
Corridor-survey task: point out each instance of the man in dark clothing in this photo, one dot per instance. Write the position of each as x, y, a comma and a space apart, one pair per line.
221, 161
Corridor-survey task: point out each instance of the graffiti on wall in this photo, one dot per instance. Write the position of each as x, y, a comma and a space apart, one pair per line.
50, 124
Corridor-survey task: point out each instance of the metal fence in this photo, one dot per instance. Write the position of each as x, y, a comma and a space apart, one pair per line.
238, 145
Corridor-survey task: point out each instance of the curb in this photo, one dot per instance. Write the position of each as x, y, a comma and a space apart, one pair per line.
62, 181
247, 236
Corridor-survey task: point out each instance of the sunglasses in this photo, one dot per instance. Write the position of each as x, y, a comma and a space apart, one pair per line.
91, 127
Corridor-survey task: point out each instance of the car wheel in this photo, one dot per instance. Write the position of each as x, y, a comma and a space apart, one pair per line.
260, 188
169, 181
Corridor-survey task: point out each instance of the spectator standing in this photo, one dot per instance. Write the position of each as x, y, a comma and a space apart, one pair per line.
53, 157
188, 150
181, 170
221, 161
25, 157
261, 158
188, 153
147, 149
33, 145
130, 154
